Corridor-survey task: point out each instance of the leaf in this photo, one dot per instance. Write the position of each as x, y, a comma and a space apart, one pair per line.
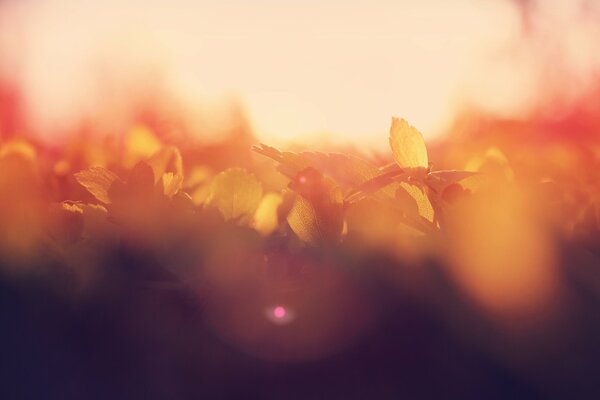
314, 225
266, 216
408, 145
236, 194
312, 185
346, 169
424, 205
453, 193
302, 219
141, 179
137, 193
167, 159
290, 164
97, 181
406, 201
375, 184
171, 183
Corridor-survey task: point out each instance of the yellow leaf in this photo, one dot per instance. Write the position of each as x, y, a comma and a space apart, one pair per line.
424, 205
346, 169
316, 226
236, 194
290, 163
167, 159
303, 220
71, 207
406, 201
171, 183
265, 217
97, 181
407, 145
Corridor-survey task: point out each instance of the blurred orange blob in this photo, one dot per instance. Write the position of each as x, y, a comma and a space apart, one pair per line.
499, 254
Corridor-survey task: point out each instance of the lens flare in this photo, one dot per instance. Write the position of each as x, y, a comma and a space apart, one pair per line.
279, 312
279, 315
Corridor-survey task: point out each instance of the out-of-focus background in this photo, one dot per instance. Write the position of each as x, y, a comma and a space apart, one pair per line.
148, 250
302, 71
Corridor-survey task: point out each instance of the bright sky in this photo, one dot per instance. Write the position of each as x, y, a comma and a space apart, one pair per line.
301, 67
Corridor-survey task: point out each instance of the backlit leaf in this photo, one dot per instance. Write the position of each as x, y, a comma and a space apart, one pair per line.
346, 169
314, 225
290, 164
406, 201
236, 194
167, 159
408, 145
97, 181
380, 182
424, 205
171, 183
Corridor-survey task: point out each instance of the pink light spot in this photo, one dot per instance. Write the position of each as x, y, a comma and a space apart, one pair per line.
279, 312
302, 179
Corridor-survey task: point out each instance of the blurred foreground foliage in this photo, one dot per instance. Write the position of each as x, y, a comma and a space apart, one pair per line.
500, 252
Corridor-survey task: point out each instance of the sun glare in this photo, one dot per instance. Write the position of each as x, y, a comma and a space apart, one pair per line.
303, 71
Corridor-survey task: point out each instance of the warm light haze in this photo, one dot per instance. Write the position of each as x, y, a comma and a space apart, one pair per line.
303, 70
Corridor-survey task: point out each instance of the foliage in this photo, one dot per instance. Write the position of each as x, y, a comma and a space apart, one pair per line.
342, 242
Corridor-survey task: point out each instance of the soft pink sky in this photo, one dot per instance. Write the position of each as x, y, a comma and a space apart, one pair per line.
301, 68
